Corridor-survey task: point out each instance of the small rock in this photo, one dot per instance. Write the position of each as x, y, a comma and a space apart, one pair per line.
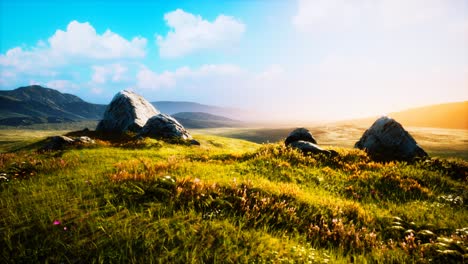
57, 143
302, 134
308, 147
163, 126
84, 140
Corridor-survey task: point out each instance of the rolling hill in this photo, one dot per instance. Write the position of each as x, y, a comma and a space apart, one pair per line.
35, 105
173, 107
448, 115
205, 120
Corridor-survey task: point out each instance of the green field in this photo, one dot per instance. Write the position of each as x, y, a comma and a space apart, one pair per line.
232, 201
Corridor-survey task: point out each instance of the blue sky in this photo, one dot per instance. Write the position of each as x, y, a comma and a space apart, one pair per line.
301, 59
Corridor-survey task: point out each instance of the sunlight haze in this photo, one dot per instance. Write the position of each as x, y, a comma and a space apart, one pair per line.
282, 60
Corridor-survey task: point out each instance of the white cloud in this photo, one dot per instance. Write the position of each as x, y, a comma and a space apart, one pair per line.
81, 39
62, 85
326, 15
190, 33
113, 72
7, 77
400, 13
147, 79
272, 73
78, 43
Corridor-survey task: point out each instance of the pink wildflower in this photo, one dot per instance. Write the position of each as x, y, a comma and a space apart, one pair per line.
57, 222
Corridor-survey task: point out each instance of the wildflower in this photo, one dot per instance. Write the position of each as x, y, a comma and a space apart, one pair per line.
65, 228
56, 222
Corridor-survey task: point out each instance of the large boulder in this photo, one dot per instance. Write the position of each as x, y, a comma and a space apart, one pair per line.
387, 140
164, 127
302, 134
127, 112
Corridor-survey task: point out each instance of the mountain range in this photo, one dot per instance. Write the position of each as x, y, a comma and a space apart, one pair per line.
35, 104
38, 105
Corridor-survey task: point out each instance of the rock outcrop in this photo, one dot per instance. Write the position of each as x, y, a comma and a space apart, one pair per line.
300, 134
387, 140
127, 112
302, 139
163, 126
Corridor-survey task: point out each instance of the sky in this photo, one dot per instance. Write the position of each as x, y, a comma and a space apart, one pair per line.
288, 60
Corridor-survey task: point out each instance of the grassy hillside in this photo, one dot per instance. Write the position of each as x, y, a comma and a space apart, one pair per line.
228, 201
449, 115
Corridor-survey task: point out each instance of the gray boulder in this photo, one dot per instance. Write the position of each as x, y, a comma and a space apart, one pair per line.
163, 126
308, 147
302, 134
127, 111
387, 140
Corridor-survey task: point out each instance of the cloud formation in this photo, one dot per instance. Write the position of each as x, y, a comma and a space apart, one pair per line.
113, 72
77, 43
191, 33
150, 80
325, 15
81, 39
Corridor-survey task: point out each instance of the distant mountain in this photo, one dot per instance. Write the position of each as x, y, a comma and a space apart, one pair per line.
31, 105
172, 107
36, 104
205, 120
448, 115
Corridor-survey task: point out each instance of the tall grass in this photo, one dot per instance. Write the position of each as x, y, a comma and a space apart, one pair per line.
228, 201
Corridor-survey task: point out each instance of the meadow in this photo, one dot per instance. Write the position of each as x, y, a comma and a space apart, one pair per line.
230, 200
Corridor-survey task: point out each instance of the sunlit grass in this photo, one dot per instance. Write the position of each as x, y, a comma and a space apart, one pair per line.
228, 201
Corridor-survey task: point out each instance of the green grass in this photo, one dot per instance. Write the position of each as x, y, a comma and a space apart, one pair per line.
228, 201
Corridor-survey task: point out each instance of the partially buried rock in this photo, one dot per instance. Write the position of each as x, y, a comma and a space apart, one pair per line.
302, 134
57, 143
308, 147
84, 140
164, 127
127, 112
62, 142
387, 140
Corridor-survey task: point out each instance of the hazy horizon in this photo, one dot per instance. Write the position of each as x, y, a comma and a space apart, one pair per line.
297, 60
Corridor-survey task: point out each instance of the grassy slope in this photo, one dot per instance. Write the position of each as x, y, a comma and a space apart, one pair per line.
448, 115
228, 201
